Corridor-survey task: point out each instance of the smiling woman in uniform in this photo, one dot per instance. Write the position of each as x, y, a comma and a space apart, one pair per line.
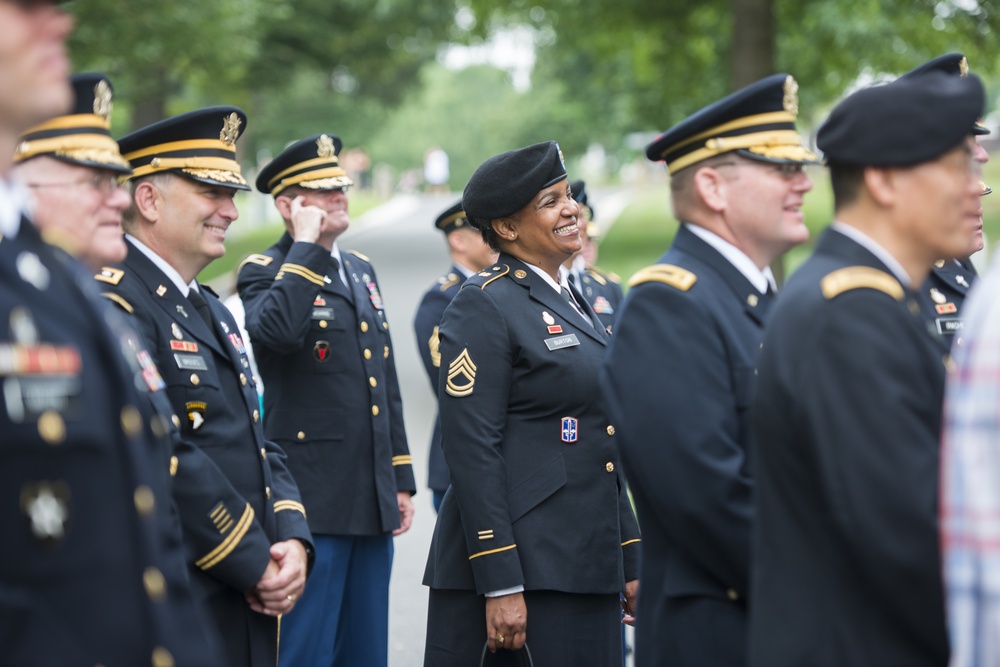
536, 538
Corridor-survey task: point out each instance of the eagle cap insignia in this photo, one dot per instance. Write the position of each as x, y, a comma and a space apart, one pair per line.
102, 100
963, 66
325, 147
230, 129
790, 101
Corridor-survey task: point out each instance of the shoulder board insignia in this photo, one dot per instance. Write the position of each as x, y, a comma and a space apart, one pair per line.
498, 272
596, 275
255, 258
359, 255
448, 281
675, 276
109, 275
860, 277
126, 306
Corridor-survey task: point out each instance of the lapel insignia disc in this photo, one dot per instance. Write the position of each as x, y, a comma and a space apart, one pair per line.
463, 370
569, 429
520, 274
161, 290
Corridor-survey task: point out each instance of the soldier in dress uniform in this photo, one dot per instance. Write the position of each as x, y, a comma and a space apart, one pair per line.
696, 320
245, 531
90, 572
469, 254
847, 414
320, 333
949, 281
536, 538
601, 289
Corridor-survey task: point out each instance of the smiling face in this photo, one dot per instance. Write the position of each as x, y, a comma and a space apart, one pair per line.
78, 207
333, 202
545, 231
976, 242
190, 220
34, 68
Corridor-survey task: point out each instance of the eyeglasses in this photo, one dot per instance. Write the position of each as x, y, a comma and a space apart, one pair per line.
104, 183
788, 170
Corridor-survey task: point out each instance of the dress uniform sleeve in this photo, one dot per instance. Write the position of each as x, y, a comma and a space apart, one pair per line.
289, 512
428, 317
473, 395
278, 299
679, 427
629, 527
866, 399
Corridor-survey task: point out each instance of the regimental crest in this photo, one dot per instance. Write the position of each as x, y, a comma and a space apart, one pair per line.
963, 66
790, 101
102, 100
230, 129
569, 429
46, 506
321, 351
325, 147
461, 375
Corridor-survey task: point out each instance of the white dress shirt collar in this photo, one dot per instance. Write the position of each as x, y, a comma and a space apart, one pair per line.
162, 265
869, 244
13, 204
761, 280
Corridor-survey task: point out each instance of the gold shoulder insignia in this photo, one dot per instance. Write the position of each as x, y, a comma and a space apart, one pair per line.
448, 281
674, 276
434, 344
859, 277
462, 368
255, 258
126, 306
109, 275
359, 255
613, 277
503, 270
597, 275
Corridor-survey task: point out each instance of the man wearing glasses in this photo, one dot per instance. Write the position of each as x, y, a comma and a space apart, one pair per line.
319, 330
696, 319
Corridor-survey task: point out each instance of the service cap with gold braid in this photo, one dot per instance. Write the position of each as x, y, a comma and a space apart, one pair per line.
200, 145
83, 136
757, 122
312, 163
452, 218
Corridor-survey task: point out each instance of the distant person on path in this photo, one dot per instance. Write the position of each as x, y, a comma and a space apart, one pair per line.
436, 173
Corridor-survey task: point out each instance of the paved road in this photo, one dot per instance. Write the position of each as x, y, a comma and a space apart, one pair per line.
409, 254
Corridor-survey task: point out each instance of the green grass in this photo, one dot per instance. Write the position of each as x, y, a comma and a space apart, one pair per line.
646, 227
239, 246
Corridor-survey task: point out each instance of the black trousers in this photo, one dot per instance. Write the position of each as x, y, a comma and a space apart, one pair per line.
564, 629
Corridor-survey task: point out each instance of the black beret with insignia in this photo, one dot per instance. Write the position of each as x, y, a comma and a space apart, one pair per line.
579, 189
452, 218
83, 136
200, 145
312, 163
757, 122
955, 64
904, 123
505, 183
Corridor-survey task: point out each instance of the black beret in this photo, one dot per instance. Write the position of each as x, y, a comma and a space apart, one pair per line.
312, 163
579, 190
758, 122
505, 183
200, 145
906, 122
954, 64
452, 218
83, 136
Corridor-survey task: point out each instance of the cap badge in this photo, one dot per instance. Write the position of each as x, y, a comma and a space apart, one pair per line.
562, 159
102, 100
230, 129
325, 147
963, 66
791, 99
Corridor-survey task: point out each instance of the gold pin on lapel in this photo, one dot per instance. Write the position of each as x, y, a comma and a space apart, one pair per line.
161, 290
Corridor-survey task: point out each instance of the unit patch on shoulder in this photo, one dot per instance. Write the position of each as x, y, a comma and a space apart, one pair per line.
461, 375
858, 277
110, 275
675, 276
262, 260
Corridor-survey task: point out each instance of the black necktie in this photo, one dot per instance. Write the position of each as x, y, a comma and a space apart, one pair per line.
334, 266
572, 279
201, 305
566, 294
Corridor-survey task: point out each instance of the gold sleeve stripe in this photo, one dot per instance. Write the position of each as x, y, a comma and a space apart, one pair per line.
173, 466
300, 270
492, 551
282, 505
281, 274
625, 544
402, 460
119, 300
216, 555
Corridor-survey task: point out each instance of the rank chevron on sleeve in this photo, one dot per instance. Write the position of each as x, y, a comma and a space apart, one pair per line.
461, 367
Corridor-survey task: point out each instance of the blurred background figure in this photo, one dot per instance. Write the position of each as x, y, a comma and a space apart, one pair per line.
436, 172
469, 254
601, 289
